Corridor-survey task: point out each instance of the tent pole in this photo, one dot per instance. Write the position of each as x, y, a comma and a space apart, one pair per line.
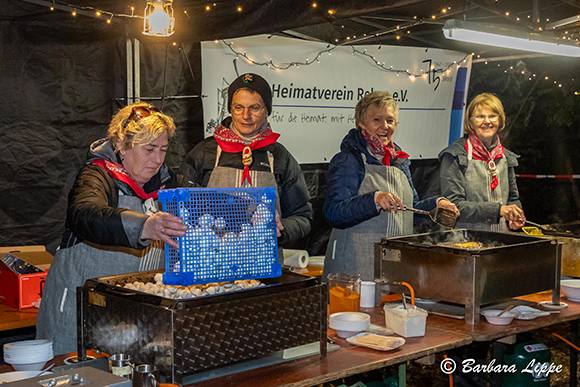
137, 71
129, 49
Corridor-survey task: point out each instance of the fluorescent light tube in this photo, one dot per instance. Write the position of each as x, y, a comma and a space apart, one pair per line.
502, 36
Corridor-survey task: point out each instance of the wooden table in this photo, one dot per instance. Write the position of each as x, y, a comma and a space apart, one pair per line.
442, 334
347, 361
310, 270
484, 331
13, 318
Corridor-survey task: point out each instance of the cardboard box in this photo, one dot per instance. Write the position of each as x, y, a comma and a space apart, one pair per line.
22, 290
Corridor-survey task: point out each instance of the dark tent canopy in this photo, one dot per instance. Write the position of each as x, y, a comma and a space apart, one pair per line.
63, 77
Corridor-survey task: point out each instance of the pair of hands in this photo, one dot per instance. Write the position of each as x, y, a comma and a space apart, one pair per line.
391, 202
514, 216
162, 226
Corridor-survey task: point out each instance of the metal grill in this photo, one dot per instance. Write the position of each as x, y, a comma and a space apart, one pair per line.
185, 336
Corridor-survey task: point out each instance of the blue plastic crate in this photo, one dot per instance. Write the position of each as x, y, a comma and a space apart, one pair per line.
231, 235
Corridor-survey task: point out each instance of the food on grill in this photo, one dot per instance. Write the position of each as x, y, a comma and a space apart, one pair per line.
468, 245
182, 292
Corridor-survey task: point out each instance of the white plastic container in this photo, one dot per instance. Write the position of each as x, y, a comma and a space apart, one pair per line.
408, 322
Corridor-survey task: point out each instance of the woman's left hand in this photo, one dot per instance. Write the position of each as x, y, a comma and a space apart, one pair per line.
162, 226
444, 203
279, 225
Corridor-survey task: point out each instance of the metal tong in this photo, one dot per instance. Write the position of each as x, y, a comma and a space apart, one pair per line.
441, 216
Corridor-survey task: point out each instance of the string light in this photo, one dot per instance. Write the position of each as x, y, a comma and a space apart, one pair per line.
329, 49
76, 10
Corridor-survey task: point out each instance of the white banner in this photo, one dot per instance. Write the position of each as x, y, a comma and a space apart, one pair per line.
315, 96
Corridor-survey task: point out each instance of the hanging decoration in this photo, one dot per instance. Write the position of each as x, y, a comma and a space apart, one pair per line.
329, 49
159, 20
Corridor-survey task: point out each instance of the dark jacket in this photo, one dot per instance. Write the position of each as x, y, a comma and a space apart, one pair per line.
453, 166
296, 211
93, 214
344, 207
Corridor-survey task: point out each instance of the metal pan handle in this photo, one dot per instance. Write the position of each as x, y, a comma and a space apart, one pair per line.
120, 293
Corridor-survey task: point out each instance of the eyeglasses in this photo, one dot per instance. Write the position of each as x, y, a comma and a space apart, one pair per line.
483, 117
253, 110
138, 112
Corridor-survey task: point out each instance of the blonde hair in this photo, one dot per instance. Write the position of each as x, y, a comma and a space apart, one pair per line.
124, 135
489, 101
380, 99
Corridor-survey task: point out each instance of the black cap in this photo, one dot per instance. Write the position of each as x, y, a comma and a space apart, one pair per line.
252, 82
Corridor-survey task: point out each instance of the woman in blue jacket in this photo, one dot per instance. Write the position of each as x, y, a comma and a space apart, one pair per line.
369, 182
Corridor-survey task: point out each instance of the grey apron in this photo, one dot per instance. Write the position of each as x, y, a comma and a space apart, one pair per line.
57, 317
223, 177
478, 189
351, 250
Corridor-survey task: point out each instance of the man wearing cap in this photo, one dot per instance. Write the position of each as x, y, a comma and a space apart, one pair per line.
244, 152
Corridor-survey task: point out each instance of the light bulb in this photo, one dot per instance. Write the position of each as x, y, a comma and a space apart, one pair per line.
159, 20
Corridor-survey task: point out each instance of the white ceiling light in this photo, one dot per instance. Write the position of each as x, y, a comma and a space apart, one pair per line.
503, 36
159, 20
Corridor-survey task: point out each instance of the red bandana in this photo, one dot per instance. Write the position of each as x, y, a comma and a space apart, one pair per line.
117, 171
230, 142
387, 151
480, 152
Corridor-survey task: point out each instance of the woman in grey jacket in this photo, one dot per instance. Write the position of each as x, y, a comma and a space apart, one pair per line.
113, 225
477, 172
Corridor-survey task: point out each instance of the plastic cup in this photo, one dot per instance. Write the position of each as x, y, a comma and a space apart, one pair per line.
367, 294
344, 292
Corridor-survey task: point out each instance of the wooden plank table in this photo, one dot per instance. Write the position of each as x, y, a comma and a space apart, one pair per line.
347, 361
483, 331
13, 318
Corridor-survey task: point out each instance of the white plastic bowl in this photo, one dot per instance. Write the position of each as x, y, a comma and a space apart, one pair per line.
348, 324
571, 288
28, 355
29, 367
492, 318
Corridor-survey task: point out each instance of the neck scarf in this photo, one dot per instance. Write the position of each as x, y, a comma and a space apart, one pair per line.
480, 152
387, 152
118, 172
230, 142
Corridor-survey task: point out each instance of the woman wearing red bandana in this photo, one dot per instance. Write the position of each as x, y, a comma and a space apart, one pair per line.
477, 172
113, 225
244, 152
369, 183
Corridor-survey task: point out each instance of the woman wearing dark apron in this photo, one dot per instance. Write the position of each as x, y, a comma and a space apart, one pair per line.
244, 152
113, 223
369, 183
477, 172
